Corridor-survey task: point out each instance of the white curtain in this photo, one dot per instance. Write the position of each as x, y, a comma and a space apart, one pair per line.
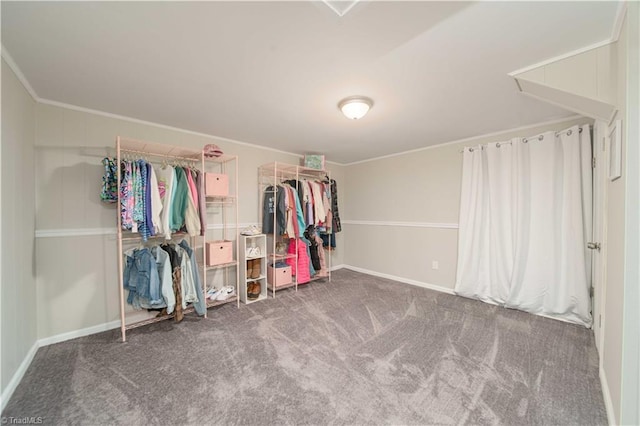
525, 219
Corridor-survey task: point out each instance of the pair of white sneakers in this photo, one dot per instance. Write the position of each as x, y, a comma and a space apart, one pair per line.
253, 252
251, 230
223, 293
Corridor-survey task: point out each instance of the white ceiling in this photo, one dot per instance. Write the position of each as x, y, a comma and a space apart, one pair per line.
272, 73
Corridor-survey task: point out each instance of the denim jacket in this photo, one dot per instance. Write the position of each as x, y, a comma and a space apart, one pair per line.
199, 305
141, 279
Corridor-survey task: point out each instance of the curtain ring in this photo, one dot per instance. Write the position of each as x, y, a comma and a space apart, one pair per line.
498, 145
540, 137
569, 132
525, 140
470, 149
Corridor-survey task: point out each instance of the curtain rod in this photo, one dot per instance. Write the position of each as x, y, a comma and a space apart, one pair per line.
525, 140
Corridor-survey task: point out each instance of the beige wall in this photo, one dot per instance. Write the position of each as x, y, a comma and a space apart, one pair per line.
421, 189
18, 282
611, 352
630, 401
77, 275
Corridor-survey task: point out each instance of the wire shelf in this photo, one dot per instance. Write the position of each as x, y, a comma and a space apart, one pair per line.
212, 303
222, 265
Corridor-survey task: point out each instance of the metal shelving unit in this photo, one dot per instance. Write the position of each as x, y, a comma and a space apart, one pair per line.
160, 153
226, 225
272, 175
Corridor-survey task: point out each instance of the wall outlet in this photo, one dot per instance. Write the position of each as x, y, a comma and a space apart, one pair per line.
435, 264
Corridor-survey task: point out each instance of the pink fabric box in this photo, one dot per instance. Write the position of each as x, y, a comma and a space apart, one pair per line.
216, 185
279, 276
219, 252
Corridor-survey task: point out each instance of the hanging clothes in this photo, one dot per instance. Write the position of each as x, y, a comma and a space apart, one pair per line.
336, 226
138, 198
148, 214
274, 199
301, 269
201, 203
160, 200
187, 281
323, 263
165, 276
166, 179
191, 216
109, 193
177, 278
180, 199
165, 273
333, 218
126, 196
310, 234
292, 216
141, 197
319, 212
141, 279
156, 202
307, 244
199, 305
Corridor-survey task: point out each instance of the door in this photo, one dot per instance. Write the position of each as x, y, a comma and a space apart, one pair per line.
598, 271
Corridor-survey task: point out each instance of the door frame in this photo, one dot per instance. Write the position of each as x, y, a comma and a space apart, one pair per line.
599, 233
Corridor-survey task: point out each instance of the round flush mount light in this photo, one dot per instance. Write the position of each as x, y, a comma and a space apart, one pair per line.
355, 107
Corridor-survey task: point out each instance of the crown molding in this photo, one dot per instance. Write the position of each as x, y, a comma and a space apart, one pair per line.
158, 125
617, 25
18, 72
561, 57
465, 140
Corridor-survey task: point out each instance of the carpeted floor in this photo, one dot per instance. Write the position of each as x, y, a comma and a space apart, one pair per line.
358, 350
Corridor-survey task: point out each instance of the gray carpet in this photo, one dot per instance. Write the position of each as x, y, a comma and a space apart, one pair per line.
358, 350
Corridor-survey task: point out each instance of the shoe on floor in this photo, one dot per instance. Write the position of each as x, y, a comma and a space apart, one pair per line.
226, 292
212, 293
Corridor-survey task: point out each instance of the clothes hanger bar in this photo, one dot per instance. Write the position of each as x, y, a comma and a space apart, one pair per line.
145, 153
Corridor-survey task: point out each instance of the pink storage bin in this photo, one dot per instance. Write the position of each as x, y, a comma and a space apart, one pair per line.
219, 252
216, 185
279, 276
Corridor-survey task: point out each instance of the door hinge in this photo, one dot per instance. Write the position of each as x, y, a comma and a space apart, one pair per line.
593, 246
593, 162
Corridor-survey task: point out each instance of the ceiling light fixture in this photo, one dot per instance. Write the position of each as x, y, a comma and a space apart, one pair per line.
355, 107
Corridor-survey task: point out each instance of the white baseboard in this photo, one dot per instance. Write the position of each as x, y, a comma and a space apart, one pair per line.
79, 333
401, 224
337, 267
18, 375
608, 404
401, 279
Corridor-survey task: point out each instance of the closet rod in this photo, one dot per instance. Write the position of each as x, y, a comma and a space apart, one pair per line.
138, 237
151, 154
